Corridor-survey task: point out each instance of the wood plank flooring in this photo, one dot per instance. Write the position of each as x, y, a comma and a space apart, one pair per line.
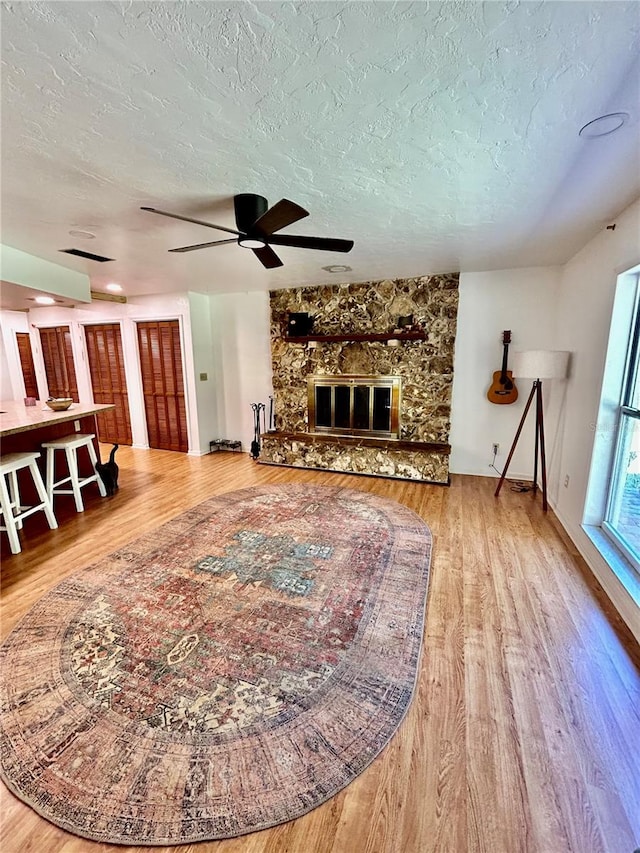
524, 732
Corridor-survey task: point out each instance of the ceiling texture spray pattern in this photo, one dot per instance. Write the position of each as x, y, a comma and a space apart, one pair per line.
437, 136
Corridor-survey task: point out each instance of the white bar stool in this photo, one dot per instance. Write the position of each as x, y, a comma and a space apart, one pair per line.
70, 445
10, 505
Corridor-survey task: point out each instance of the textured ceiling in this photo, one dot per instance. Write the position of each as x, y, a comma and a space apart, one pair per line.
438, 136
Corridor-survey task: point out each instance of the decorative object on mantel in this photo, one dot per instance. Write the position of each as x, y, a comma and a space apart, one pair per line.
541, 364
503, 389
227, 672
299, 324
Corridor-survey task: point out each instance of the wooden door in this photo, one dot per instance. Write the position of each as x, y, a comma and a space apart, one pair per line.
163, 384
57, 353
108, 381
28, 367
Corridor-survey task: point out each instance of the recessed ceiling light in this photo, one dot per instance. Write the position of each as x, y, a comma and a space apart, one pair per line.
83, 235
337, 268
603, 125
45, 300
114, 288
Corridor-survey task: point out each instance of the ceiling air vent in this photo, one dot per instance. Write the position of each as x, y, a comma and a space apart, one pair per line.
80, 254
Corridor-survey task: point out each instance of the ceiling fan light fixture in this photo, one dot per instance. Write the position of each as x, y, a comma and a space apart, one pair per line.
251, 243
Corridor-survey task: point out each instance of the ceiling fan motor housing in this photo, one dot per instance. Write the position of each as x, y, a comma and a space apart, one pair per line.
248, 209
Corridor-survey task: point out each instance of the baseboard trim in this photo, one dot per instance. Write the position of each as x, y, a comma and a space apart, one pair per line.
617, 593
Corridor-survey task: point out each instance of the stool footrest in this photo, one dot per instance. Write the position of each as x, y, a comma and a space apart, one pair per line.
70, 445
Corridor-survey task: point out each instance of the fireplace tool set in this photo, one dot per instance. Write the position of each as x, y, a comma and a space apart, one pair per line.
259, 413
258, 409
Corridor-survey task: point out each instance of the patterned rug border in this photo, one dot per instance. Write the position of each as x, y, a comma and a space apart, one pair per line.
386, 506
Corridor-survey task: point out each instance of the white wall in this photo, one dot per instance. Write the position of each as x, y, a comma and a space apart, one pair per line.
522, 301
6, 388
12, 380
205, 370
241, 332
584, 311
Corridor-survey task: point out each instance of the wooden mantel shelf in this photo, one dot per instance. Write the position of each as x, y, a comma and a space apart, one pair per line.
357, 337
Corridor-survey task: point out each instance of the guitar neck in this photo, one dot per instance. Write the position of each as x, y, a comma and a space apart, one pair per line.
503, 372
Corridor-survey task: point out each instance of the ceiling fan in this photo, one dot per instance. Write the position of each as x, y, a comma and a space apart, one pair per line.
257, 224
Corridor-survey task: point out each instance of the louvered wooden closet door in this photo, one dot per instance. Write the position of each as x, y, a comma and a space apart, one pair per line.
57, 353
26, 361
108, 381
163, 384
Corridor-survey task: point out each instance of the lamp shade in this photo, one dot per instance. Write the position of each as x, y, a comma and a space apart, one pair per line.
540, 364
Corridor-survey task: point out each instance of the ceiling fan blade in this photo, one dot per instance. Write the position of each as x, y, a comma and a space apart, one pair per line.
327, 244
267, 257
283, 213
189, 219
202, 246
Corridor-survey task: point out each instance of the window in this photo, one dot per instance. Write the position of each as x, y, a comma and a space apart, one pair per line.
621, 520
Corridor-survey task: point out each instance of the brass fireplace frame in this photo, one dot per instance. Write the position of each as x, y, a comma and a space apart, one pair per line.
393, 383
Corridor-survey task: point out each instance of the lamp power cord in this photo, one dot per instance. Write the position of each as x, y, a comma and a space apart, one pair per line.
517, 486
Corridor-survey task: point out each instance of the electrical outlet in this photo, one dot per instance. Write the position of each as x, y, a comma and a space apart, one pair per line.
566, 482
76, 426
495, 448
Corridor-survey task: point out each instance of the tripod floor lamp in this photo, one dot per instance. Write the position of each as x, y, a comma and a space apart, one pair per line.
538, 365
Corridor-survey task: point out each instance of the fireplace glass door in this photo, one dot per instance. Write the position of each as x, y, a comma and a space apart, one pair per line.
355, 405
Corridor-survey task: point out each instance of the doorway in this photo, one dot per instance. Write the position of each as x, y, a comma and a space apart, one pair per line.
26, 362
163, 384
57, 353
108, 381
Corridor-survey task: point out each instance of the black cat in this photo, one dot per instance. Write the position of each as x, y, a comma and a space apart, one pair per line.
108, 472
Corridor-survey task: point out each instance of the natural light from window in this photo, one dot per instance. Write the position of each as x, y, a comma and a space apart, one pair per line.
622, 514
612, 509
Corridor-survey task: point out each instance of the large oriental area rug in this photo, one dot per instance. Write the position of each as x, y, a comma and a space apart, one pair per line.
229, 671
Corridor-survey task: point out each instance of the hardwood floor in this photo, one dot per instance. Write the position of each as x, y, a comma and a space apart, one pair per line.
524, 732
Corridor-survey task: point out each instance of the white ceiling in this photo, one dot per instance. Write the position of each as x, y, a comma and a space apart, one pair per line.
438, 136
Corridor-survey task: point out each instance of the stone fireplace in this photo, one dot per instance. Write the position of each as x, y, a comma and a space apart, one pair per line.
363, 392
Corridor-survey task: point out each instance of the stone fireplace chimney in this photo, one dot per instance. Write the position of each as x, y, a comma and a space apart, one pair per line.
365, 391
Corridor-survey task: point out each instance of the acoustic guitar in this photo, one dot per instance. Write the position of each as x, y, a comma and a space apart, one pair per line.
503, 389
